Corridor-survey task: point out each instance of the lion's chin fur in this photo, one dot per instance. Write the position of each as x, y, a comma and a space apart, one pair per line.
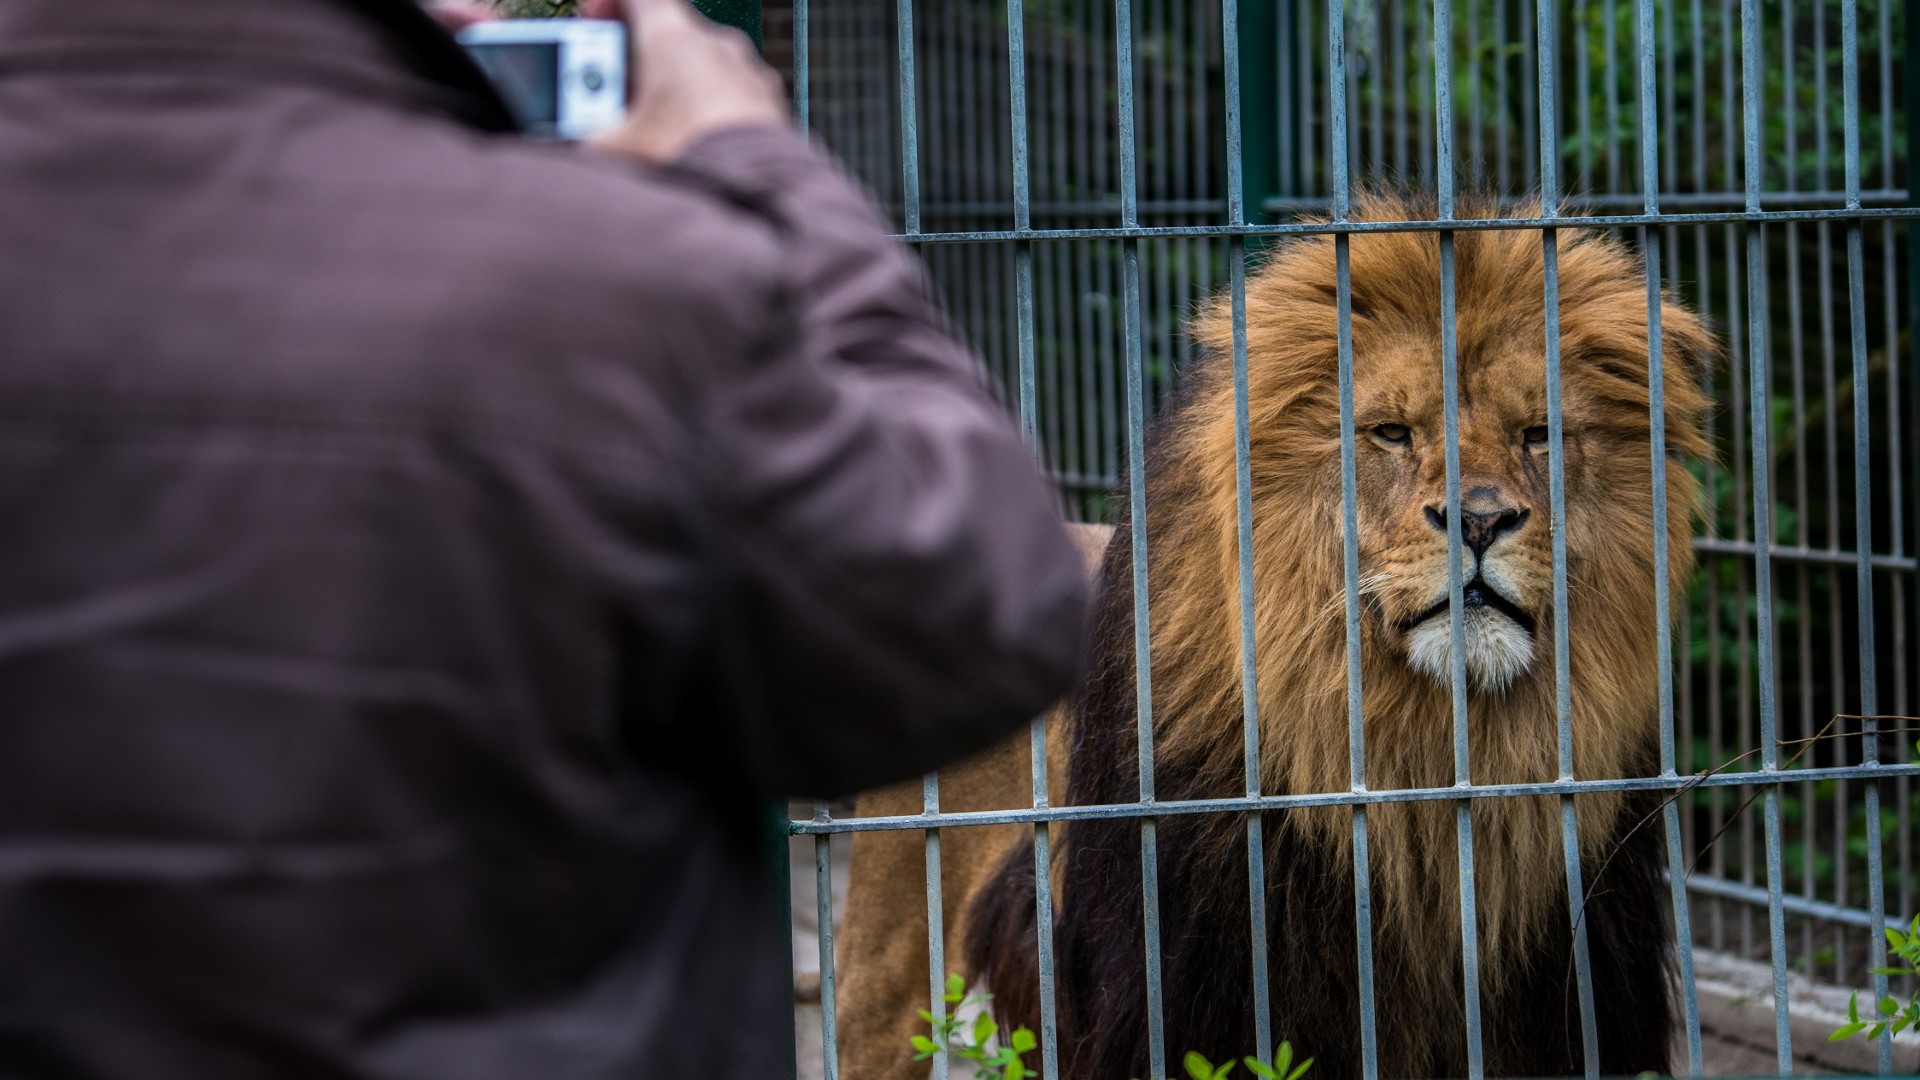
1498, 650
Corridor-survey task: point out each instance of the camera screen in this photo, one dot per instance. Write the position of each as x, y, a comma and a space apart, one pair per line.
528, 76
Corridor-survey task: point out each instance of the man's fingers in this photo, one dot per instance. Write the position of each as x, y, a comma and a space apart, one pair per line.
459, 14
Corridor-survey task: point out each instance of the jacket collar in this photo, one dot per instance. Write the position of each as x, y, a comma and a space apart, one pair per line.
385, 48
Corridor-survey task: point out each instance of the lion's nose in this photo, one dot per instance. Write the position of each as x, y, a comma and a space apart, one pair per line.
1479, 529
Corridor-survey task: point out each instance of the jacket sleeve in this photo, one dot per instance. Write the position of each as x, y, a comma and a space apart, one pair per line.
897, 586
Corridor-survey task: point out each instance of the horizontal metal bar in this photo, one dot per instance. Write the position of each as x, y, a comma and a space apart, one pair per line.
1320, 203
1790, 903
1325, 228
1714, 545
1695, 199
1242, 804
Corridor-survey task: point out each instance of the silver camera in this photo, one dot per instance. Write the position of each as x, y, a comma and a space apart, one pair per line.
563, 78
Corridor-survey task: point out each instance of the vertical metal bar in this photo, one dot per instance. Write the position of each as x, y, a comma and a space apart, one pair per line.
1243, 498
1807, 689
1350, 542
1502, 149
1022, 213
1377, 87
1476, 125
1529, 121
1897, 432
909, 119
1037, 732
1650, 238
1400, 79
802, 71
1863, 487
1759, 407
936, 921
1557, 496
1137, 475
823, 894
1582, 92
1610, 94
1456, 606
1743, 692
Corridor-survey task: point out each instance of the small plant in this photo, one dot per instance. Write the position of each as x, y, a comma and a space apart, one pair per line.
975, 1042
1890, 1014
1283, 1068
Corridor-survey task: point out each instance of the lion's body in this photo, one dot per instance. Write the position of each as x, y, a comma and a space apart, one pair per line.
1529, 1014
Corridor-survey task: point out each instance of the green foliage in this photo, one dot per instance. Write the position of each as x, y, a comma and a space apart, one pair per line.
975, 1042
1889, 1014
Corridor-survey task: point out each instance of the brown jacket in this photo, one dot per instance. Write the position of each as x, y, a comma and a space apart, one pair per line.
422, 552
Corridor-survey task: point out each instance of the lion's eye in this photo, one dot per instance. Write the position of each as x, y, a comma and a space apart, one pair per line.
1393, 433
1536, 435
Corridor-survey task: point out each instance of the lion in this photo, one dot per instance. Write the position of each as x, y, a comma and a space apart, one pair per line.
1529, 1010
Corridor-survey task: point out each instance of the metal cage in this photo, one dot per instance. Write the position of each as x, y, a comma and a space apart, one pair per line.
1077, 175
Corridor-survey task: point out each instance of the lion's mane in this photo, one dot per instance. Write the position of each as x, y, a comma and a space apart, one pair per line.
1531, 1022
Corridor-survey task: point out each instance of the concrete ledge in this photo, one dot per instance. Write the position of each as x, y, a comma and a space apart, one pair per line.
1737, 1023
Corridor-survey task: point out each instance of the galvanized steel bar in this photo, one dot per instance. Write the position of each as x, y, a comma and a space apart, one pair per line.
1354, 228
1557, 498
1372, 796
1243, 511
1650, 242
802, 66
909, 118
1443, 125
936, 921
1863, 491
823, 896
1350, 544
1760, 414
1137, 482
1029, 426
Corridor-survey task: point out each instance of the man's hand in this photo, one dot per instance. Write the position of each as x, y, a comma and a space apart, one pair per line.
691, 78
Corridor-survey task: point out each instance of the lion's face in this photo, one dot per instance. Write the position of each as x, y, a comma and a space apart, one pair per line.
1506, 521
1506, 550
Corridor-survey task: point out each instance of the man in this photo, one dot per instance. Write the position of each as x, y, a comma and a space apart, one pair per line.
422, 552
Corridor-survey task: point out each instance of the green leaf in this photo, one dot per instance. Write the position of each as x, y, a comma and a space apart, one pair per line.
1283, 1058
1198, 1067
984, 1028
1024, 1040
928, 1016
956, 986
1301, 1070
924, 1044
1895, 938
1888, 1006
1846, 1031
1853, 1008
1877, 1029
1260, 1069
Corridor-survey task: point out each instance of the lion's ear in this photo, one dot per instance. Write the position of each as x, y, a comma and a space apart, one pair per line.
1688, 346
